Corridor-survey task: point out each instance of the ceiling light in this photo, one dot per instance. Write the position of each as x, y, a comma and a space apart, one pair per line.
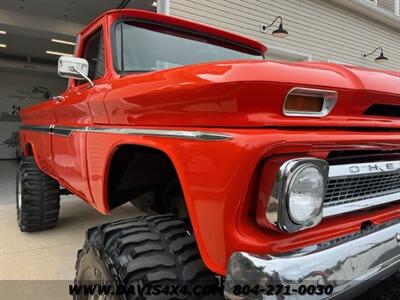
3, 46
3, 32
154, 4
58, 53
63, 42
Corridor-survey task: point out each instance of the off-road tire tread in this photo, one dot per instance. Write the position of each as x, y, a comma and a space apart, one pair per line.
40, 198
148, 249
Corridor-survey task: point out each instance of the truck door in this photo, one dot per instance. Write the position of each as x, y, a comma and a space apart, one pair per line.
73, 115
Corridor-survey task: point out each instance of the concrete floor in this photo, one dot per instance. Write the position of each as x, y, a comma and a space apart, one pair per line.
28, 261
41, 265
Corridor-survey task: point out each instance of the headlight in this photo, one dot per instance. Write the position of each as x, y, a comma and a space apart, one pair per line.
297, 196
305, 194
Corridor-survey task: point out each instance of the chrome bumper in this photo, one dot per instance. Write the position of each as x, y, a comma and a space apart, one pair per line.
349, 264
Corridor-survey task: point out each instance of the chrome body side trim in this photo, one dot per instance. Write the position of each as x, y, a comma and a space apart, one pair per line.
39, 128
330, 98
64, 131
166, 133
349, 264
180, 134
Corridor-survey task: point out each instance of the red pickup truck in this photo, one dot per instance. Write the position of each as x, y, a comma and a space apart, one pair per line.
279, 177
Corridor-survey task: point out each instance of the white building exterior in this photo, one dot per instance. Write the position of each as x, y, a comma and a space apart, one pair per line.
319, 30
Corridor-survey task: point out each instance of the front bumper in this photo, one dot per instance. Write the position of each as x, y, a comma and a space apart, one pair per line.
349, 264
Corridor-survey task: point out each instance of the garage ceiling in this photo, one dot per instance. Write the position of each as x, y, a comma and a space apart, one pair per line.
31, 24
76, 11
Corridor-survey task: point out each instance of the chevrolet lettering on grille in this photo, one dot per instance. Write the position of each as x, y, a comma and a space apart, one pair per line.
364, 168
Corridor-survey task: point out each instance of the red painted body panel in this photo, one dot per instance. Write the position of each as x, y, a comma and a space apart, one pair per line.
249, 94
220, 179
40, 114
216, 181
40, 144
69, 154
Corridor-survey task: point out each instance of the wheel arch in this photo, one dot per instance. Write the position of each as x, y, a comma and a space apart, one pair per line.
140, 163
28, 149
99, 169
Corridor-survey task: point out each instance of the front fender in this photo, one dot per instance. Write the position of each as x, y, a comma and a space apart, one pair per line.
207, 170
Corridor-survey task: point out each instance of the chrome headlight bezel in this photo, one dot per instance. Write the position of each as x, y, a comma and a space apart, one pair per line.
277, 210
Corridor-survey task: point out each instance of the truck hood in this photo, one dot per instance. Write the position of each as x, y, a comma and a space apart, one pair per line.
251, 94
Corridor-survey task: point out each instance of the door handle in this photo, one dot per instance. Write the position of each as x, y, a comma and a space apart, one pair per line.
59, 98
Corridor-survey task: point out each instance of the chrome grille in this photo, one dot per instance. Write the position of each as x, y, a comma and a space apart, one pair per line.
352, 187
357, 188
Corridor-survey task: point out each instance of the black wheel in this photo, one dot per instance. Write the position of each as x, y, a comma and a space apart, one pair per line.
142, 252
38, 197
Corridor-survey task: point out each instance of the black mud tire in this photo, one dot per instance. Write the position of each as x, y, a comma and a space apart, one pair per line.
144, 251
388, 289
37, 197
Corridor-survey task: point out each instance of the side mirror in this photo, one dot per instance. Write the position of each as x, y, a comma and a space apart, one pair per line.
74, 67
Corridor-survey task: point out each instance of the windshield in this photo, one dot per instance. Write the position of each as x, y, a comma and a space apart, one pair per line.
148, 47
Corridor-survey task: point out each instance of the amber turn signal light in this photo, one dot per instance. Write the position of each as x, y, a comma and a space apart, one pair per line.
304, 102
298, 103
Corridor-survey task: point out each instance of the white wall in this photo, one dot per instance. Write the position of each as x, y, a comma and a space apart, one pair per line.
323, 30
16, 90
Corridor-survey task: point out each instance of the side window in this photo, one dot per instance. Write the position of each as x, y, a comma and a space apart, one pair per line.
94, 54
